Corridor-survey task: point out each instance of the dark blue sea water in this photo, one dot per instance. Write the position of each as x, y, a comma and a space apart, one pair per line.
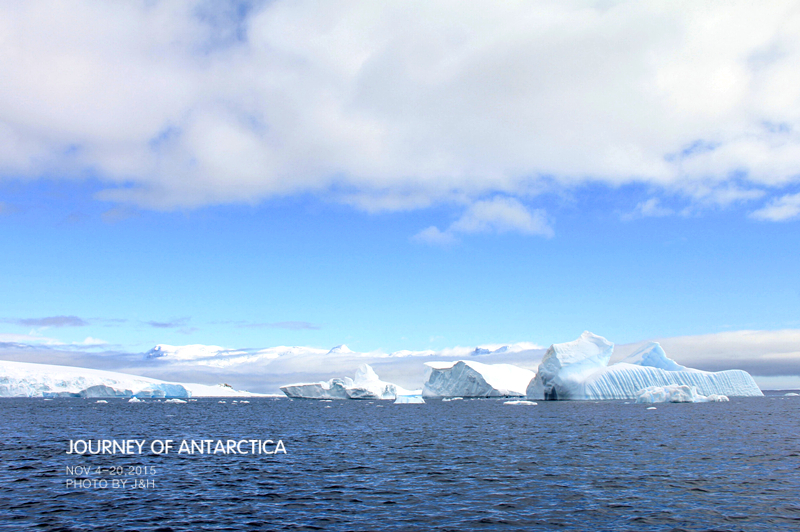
460, 465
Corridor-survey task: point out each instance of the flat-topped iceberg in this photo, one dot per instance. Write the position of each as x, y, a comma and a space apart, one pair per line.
409, 400
474, 379
579, 370
365, 385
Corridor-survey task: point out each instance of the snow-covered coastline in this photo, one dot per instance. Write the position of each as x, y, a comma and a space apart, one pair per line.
23, 379
576, 370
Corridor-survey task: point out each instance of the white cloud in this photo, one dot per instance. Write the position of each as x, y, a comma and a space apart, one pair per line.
432, 235
497, 215
784, 208
89, 341
649, 208
398, 105
501, 215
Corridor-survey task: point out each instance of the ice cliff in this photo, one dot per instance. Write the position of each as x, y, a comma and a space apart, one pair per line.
579, 370
474, 379
22, 379
365, 385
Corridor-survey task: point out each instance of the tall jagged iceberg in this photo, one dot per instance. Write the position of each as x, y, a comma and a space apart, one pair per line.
365, 385
474, 379
565, 367
579, 370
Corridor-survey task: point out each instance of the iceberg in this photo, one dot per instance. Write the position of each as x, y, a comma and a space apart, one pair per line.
365, 385
579, 370
652, 355
409, 400
474, 379
332, 389
566, 366
676, 393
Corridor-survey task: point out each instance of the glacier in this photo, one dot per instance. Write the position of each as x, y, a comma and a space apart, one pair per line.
579, 370
365, 385
465, 378
25, 379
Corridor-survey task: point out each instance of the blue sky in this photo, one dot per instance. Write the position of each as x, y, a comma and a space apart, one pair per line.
400, 176
302, 271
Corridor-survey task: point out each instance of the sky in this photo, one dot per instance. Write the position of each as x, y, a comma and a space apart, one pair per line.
401, 175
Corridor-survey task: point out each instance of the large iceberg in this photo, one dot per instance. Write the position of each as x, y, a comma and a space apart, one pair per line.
566, 366
24, 379
579, 370
474, 379
365, 385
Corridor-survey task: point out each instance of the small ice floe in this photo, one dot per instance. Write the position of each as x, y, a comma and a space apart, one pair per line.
176, 401
790, 394
651, 408
222, 402
244, 402
448, 399
326, 400
531, 403
328, 406
675, 393
101, 401
134, 400
409, 400
48, 399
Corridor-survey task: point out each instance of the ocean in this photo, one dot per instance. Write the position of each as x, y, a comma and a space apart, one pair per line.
373, 465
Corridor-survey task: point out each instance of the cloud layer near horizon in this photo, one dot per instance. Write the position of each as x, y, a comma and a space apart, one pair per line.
401, 105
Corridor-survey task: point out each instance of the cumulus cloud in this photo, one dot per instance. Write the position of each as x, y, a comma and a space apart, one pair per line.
497, 215
397, 105
784, 208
